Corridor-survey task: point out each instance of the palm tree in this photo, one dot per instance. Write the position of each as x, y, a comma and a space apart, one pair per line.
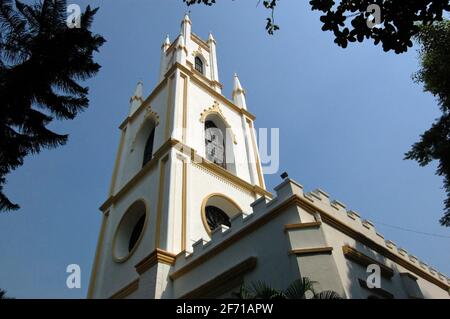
302, 288
41, 62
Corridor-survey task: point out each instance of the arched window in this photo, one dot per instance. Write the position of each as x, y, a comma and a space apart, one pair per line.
199, 64
216, 217
215, 144
218, 209
148, 151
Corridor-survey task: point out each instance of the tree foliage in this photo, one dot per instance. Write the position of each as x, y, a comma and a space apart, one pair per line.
302, 288
434, 144
41, 64
347, 19
3, 295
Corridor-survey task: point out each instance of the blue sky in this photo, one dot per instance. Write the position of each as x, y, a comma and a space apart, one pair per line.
346, 118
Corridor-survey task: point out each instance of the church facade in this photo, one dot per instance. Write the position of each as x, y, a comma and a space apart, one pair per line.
188, 214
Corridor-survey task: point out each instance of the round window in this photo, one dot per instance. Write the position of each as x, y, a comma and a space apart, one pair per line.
217, 210
129, 232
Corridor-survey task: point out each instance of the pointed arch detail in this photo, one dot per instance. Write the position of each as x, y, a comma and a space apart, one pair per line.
215, 109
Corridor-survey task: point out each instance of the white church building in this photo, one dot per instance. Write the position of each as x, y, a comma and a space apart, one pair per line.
188, 214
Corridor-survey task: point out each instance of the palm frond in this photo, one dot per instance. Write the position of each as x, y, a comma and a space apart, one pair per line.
327, 294
298, 288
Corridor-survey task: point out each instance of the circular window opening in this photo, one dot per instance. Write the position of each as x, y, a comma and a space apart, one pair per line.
217, 210
129, 232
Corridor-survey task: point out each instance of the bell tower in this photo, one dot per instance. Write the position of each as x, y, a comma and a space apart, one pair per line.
187, 162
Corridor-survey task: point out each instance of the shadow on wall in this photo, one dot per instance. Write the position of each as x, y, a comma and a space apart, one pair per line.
394, 284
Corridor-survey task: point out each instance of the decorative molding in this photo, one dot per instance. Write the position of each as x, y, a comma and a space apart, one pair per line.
355, 234
158, 256
326, 218
126, 291
302, 226
117, 163
136, 178
232, 239
200, 42
208, 85
256, 153
215, 109
364, 260
221, 280
200, 54
151, 114
162, 170
184, 207
169, 107
147, 101
202, 162
311, 251
203, 208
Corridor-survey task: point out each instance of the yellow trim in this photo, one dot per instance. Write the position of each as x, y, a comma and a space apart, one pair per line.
149, 166
205, 201
117, 163
256, 154
207, 84
311, 251
302, 226
98, 250
326, 218
364, 260
144, 104
125, 258
232, 239
333, 222
184, 207
213, 168
233, 178
126, 291
185, 105
196, 78
215, 109
169, 107
155, 257
222, 279
162, 170
200, 42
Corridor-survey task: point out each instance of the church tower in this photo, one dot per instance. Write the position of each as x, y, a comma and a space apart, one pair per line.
187, 162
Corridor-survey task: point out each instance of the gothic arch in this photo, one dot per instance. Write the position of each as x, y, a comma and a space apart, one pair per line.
151, 121
216, 110
221, 201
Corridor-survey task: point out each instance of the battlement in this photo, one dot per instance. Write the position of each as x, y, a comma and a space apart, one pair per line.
317, 200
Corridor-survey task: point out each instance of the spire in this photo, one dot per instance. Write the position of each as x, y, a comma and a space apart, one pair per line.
211, 38
213, 62
238, 93
186, 18
136, 100
166, 43
186, 28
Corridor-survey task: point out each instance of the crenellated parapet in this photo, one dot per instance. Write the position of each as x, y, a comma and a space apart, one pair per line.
324, 209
